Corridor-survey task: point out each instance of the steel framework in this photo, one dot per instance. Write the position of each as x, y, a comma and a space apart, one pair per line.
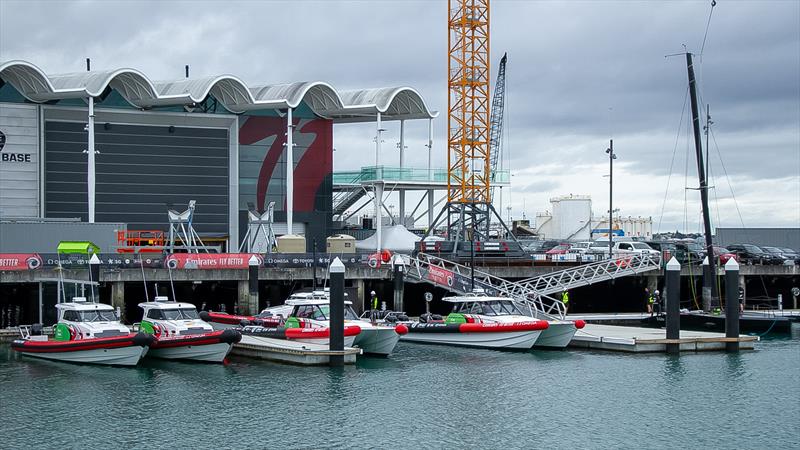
468, 102
533, 293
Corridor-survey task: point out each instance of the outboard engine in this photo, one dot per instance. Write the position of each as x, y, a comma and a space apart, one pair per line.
402, 317
244, 322
36, 329
391, 318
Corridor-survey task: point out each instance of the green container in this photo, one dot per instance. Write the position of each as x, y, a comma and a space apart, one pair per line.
61, 332
292, 322
455, 318
146, 327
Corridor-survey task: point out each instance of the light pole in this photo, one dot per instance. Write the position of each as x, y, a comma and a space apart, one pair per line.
611, 158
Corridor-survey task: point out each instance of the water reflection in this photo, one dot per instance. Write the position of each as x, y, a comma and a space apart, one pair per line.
674, 368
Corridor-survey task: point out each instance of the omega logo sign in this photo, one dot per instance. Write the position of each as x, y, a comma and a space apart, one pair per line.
11, 157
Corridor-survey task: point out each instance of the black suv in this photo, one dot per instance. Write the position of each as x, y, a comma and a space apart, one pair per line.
689, 252
752, 254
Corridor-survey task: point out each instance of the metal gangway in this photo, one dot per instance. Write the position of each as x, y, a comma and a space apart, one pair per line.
532, 293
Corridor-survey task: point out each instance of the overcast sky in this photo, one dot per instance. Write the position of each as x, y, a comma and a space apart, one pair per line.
579, 73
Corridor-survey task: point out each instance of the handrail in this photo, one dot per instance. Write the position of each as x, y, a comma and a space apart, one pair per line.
534, 293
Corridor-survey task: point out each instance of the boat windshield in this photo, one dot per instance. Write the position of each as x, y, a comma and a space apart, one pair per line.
321, 312
90, 316
173, 314
490, 308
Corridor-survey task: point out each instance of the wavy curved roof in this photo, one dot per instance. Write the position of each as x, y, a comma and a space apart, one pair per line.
233, 93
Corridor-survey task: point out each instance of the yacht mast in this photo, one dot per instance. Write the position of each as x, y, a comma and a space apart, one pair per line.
703, 182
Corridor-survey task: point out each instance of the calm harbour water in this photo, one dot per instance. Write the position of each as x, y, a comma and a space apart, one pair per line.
422, 396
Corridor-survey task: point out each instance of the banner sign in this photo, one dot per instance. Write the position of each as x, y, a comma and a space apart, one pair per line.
440, 276
30, 261
210, 260
20, 261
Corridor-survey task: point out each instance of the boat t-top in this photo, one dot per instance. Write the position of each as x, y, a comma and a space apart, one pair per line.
314, 307
86, 332
181, 334
478, 321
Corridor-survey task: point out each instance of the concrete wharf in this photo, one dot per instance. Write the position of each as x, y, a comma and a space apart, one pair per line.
642, 340
291, 352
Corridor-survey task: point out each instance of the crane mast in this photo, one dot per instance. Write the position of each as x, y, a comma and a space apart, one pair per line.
496, 128
469, 209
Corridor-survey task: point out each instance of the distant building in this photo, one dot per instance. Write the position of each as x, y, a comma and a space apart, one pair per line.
774, 237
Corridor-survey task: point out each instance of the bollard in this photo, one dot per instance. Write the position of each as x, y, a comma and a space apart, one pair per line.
732, 304
707, 283
252, 288
399, 284
94, 277
337, 312
673, 296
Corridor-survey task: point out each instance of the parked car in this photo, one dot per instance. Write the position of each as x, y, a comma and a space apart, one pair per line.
791, 254
752, 254
634, 247
662, 246
724, 255
547, 245
777, 253
689, 252
580, 247
560, 249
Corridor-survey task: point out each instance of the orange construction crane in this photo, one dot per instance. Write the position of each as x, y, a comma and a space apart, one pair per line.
468, 102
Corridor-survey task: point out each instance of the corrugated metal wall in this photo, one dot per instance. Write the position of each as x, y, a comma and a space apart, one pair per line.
140, 169
774, 237
21, 237
19, 177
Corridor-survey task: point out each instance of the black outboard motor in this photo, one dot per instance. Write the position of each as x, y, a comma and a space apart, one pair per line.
244, 322
36, 329
402, 317
391, 318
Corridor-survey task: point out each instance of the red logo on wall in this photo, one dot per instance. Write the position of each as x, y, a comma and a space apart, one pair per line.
312, 154
20, 261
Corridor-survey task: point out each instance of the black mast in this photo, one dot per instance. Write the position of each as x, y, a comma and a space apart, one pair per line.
703, 180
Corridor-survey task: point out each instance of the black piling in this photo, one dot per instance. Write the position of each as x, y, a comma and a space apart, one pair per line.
673, 296
337, 313
732, 304
399, 282
94, 277
252, 285
707, 285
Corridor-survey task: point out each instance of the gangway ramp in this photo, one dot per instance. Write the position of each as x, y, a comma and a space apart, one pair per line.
533, 293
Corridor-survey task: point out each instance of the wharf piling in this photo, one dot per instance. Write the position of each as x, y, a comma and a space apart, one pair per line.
673, 295
337, 270
732, 304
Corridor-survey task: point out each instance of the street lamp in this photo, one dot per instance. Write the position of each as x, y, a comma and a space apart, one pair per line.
611, 158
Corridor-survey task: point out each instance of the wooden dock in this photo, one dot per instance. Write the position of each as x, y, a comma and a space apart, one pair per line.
643, 340
291, 352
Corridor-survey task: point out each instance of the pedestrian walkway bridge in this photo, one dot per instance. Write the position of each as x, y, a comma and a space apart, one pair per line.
533, 293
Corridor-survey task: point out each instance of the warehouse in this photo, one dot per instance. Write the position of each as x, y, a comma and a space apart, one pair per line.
159, 145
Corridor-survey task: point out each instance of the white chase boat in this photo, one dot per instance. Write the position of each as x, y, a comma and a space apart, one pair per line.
181, 334
376, 338
85, 333
479, 321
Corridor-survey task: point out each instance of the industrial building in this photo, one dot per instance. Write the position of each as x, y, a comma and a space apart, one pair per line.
570, 218
156, 146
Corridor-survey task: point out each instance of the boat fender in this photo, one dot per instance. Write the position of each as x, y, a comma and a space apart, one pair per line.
230, 336
143, 339
401, 329
579, 324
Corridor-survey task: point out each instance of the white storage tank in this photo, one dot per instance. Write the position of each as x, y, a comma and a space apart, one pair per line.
572, 217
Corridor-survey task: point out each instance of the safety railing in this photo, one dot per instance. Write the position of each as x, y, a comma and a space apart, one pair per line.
533, 293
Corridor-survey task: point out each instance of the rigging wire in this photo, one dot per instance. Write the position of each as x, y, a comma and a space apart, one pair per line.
708, 24
727, 178
672, 162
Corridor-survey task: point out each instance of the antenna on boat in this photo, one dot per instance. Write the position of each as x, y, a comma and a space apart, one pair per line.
144, 279
171, 283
